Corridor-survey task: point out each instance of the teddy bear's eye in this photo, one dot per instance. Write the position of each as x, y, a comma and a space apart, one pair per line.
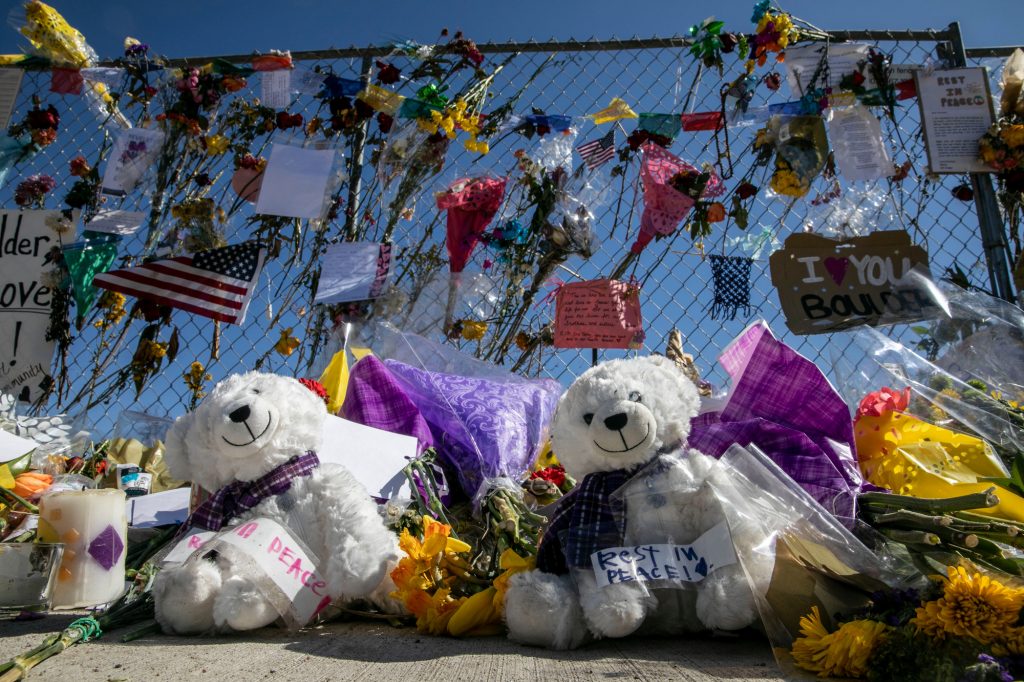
636, 397
256, 391
588, 417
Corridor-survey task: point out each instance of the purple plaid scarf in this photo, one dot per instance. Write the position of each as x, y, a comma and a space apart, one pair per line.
586, 520
241, 496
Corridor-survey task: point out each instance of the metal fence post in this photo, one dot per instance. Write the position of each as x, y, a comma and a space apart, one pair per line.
990, 220
356, 166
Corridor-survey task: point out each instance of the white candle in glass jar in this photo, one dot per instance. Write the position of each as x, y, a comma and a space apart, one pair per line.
93, 525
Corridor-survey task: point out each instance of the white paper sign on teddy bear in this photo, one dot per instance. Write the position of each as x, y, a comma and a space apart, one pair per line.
284, 562
666, 562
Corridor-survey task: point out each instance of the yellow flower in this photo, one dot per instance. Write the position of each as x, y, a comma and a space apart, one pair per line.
843, 653
1012, 643
478, 146
971, 606
216, 145
473, 331
287, 344
511, 563
427, 125
439, 610
788, 183
1013, 135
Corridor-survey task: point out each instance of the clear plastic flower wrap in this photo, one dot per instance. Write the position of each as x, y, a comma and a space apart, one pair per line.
812, 558
965, 373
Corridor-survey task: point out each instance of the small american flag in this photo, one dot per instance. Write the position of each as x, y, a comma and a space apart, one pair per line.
216, 284
597, 152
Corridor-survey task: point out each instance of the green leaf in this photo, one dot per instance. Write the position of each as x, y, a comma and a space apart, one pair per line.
714, 27
918, 329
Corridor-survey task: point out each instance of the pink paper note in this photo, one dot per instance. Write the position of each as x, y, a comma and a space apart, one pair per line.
602, 313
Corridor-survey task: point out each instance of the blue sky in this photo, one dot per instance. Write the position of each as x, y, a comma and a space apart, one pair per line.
211, 27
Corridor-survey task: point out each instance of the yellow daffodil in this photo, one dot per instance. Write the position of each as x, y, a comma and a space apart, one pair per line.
971, 606
843, 653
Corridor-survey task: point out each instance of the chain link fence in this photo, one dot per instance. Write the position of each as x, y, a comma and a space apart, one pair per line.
572, 78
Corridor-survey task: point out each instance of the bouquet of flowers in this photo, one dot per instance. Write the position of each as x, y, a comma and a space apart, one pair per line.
962, 627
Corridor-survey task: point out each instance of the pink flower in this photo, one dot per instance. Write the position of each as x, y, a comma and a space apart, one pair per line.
884, 401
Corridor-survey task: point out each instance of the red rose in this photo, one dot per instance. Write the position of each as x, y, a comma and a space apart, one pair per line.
385, 121
773, 81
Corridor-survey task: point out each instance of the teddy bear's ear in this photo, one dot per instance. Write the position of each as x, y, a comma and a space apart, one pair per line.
176, 451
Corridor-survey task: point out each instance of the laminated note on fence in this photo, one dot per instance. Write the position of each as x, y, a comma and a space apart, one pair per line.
277, 88
956, 110
353, 271
602, 313
134, 150
295, 182
857, 143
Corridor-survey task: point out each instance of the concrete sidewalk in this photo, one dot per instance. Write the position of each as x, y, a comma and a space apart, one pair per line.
339, 652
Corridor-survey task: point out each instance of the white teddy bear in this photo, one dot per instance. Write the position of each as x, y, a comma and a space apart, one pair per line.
621, 430
254, 440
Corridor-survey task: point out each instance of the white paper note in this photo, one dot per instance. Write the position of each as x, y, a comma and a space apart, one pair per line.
13, 447
158, 509
10, 83
956, 110
277, 88
856, 136
375, 457
353, 271
116, 222
295, 182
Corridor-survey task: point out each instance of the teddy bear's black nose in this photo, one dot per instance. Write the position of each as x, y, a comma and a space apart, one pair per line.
616, 422
242, 413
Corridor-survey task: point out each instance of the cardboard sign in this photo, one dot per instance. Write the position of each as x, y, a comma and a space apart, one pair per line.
663, 562
956, 110
274, 550
602, 313
25, 354
827, 284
